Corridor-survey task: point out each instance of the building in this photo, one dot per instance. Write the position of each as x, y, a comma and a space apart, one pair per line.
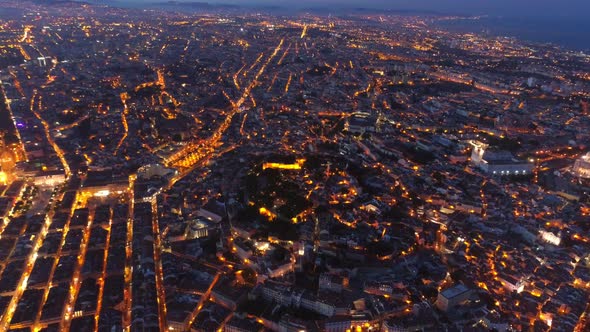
498, 162
582, 166
104, 182
278, 294
511, 282
292, 324
151, 170
209, 215
550, 237
321, 305
332, 282
237, 324
379, 288
422, 318
338, 324
244, 249
452, 297
50, 178
360, 123
277, 271
199, 228
229, 295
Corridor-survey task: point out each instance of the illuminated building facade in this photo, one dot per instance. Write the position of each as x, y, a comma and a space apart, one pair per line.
582, 166
50, 178
501, 163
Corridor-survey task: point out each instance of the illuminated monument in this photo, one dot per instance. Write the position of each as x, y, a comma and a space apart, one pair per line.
7, 161
582, 166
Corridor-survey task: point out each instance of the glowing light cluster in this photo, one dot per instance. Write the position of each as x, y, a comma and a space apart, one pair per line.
296, 166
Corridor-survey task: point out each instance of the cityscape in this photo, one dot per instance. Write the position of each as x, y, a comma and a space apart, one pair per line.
236, 170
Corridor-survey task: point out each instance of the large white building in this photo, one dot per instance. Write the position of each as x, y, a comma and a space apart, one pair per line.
582, 166
501, 163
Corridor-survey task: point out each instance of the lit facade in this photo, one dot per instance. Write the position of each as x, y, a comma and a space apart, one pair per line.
501, 163
582, 166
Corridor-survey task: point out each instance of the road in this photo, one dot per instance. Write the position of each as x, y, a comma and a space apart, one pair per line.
8, 122
103, 274
58, 151
129, 257
161, 296
76, 279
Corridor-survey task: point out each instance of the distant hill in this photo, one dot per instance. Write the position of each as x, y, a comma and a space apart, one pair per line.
76, 2
193, 5
58, 2
202, 5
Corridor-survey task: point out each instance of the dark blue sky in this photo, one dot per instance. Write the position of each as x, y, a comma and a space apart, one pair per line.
526, 8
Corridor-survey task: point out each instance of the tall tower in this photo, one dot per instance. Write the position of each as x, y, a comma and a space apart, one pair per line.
441, 239
381, 121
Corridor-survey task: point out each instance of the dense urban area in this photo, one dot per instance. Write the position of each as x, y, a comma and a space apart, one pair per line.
231, 170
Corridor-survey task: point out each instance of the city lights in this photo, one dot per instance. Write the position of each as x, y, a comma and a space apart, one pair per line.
206, 167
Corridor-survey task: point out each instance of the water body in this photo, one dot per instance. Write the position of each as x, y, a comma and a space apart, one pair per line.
571, 34
10, 12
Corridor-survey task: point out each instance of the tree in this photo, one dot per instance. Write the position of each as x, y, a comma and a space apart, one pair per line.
280, 254
249, 276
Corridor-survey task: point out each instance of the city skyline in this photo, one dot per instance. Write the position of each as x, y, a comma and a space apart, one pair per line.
204, 168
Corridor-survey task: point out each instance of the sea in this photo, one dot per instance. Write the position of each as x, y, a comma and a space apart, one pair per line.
571, 34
